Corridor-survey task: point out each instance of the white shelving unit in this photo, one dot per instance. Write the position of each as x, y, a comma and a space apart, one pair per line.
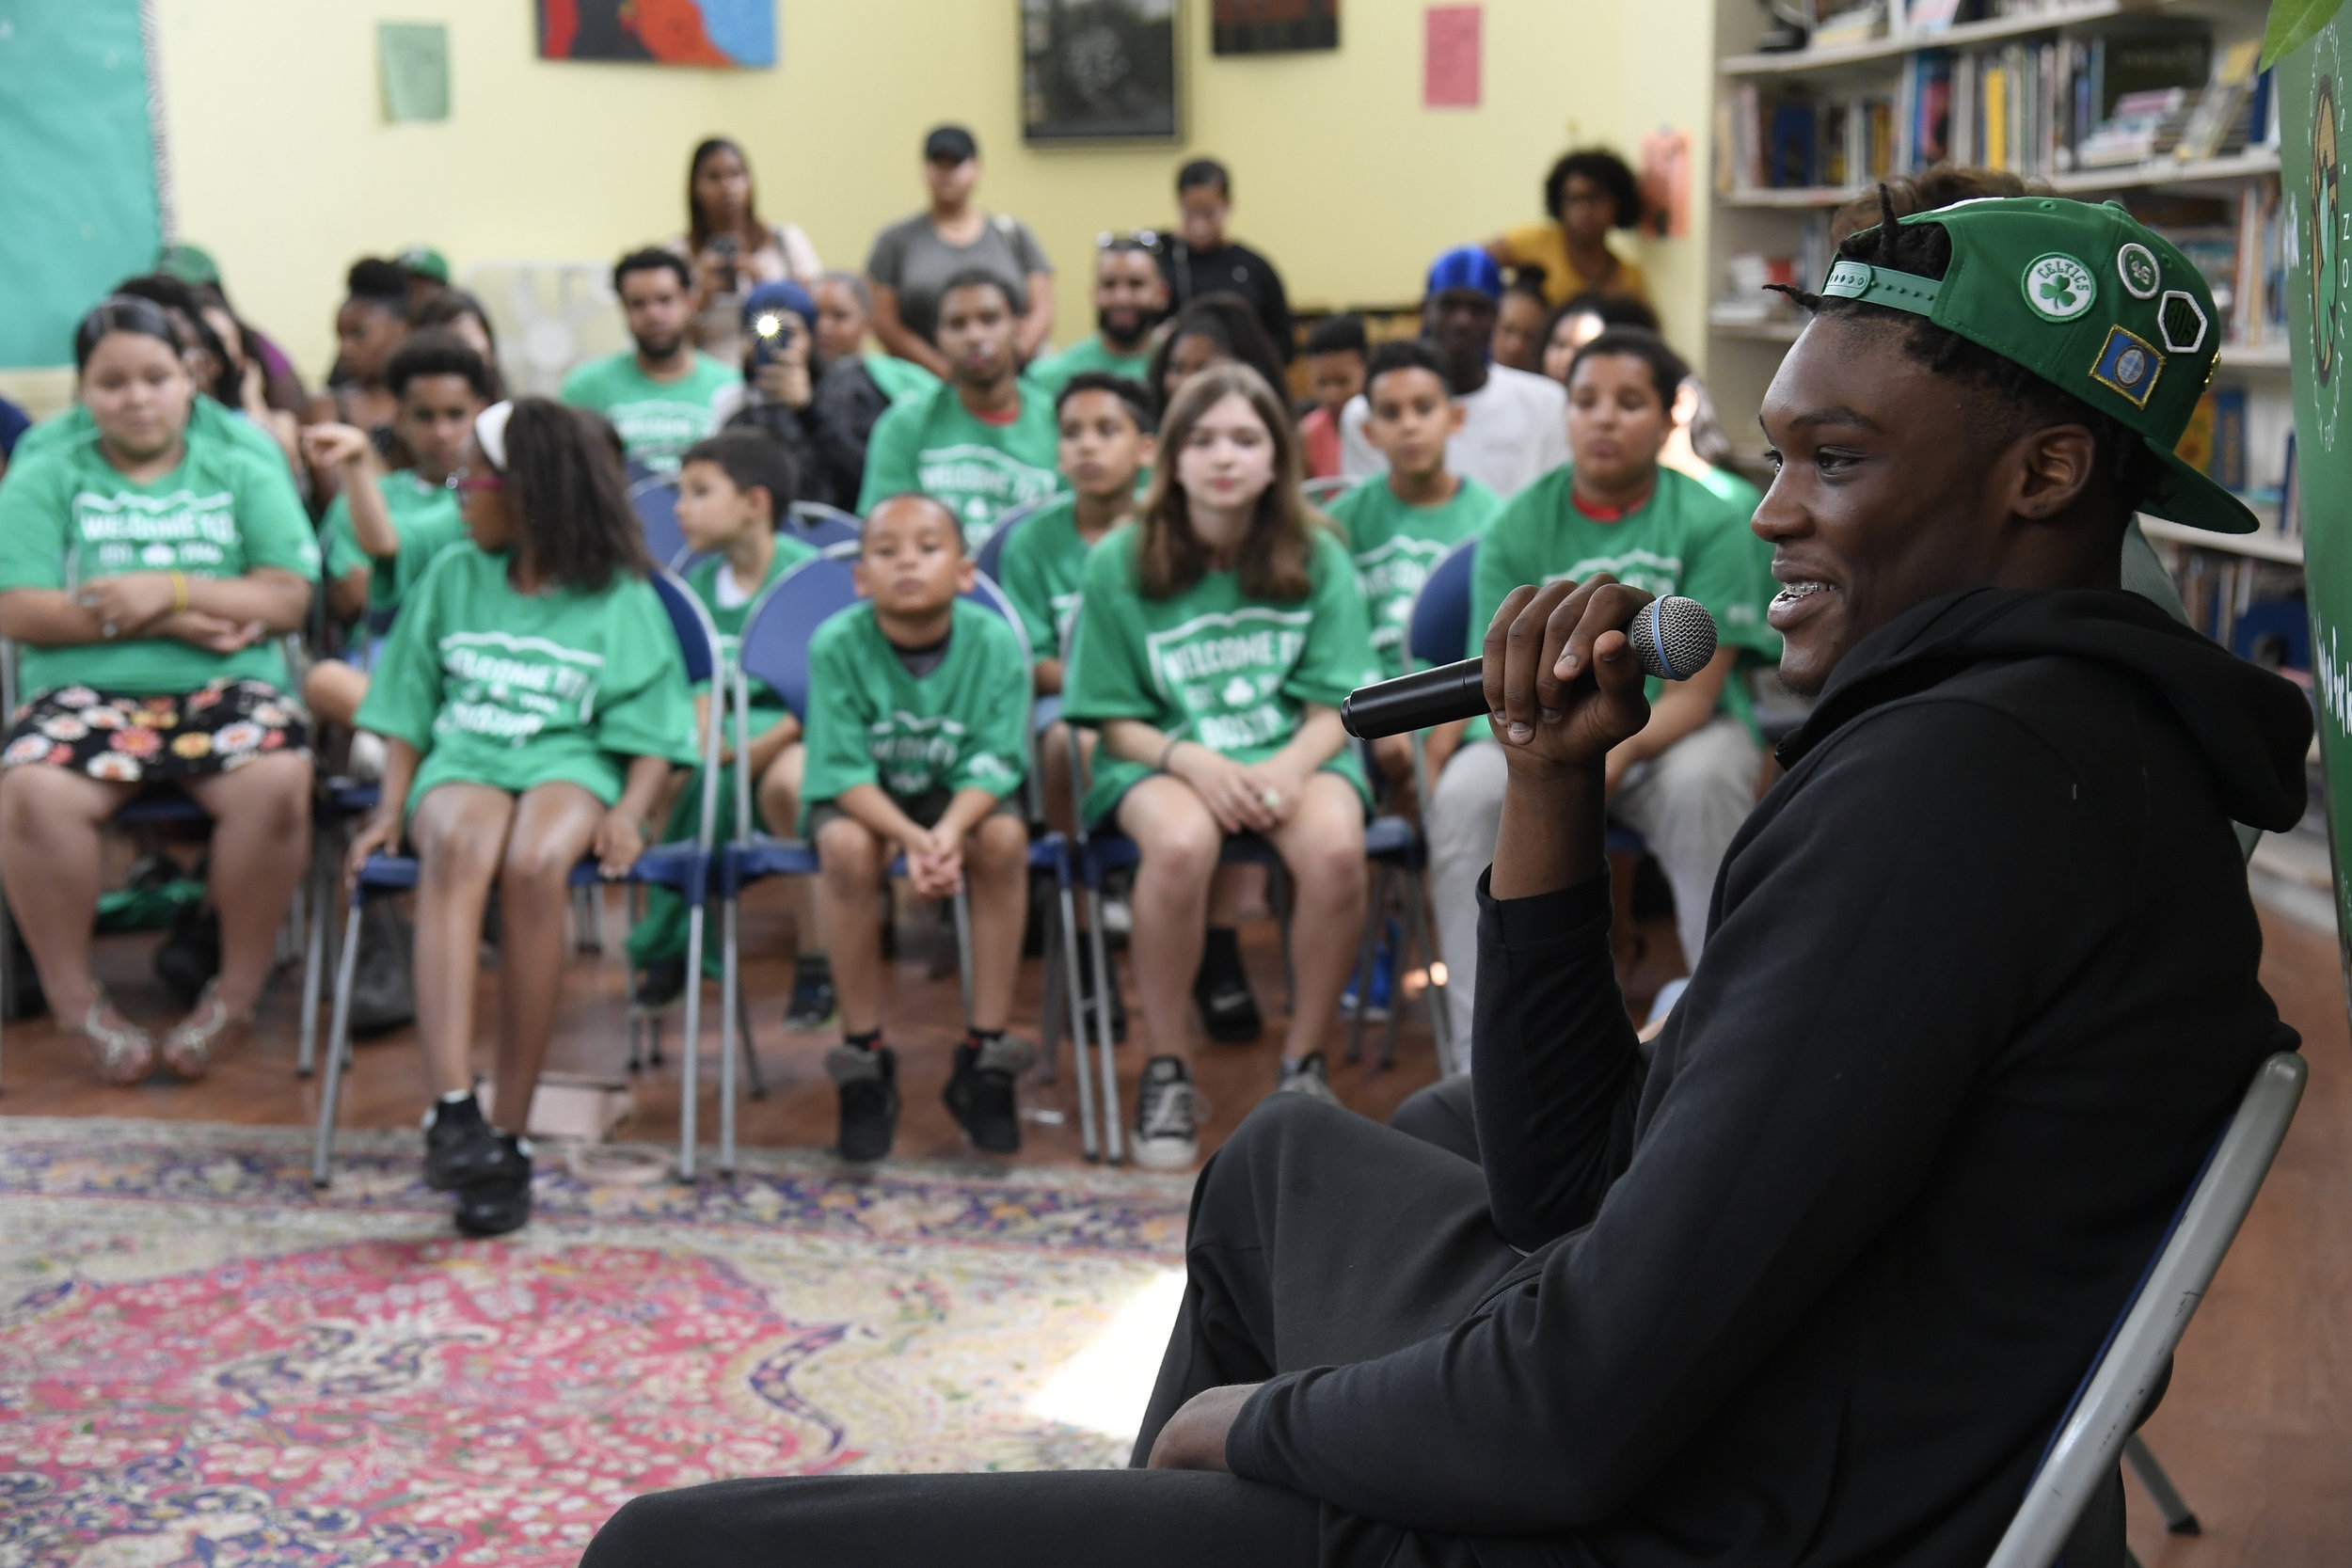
1743, 351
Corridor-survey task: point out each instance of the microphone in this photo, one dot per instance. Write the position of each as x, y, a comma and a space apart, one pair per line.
1672, 637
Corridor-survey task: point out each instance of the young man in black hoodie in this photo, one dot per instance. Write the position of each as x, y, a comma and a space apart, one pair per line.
1812, 1282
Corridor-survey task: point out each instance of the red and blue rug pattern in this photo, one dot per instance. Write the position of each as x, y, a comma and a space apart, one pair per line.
205, 1362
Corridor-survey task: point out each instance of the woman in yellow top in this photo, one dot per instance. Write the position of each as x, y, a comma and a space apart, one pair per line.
1588, 193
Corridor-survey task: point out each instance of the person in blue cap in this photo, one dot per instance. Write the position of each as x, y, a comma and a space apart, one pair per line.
781, 372
1514, 424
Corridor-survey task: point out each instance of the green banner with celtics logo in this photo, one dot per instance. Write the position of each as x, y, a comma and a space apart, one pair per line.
2318, 245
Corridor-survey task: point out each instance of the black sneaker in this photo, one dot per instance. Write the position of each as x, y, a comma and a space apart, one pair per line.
658, 985
1228, 1009
979, 1091
460, 1148
813, 1004
1168, 1113
500, 1200
868, 1079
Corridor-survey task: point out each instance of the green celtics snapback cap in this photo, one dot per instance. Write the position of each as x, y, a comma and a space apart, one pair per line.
2091, 300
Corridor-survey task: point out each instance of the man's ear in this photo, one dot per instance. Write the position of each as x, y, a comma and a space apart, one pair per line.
966, 570
2048, 470
1148, 451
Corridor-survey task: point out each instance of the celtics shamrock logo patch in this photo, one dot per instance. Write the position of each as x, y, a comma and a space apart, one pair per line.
2058, 287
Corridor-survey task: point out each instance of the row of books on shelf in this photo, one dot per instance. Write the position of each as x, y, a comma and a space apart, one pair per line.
2055, 106
2238, 243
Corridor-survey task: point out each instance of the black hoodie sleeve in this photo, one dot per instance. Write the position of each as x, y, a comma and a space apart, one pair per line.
1873, 950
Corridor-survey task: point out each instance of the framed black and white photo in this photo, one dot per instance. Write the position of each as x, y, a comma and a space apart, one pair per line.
1099, 70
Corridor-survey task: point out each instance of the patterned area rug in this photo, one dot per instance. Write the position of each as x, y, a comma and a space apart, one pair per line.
201, 1361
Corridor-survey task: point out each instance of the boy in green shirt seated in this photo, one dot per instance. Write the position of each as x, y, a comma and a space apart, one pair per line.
1400, 524
1687, 779
659, 395
984, 441
1107, 441
383, 529
915, 747
732, 489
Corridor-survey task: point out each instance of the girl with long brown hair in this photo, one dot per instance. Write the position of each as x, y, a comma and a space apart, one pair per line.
1220, 632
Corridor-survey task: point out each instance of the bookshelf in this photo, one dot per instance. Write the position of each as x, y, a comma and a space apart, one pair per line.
2085, 109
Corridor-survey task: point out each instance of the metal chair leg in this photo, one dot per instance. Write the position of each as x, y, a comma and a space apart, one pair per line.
338, 1050
313, 970
1425, 937
1408, 939
1048, 1012
962, 905
1113, 1151
2178, 1519
751, 1057
1363, 963
690, 1049
1066, 936
729, 995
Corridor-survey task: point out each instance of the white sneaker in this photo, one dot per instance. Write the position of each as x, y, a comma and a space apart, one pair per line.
1168, 1114
1308, 1076
1119, 917
368, 756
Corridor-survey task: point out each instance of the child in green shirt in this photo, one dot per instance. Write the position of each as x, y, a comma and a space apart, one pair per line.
1107, 441
982, 442
1401, 524
732, 489
534, 702
917, 726
1220, 635
383, 529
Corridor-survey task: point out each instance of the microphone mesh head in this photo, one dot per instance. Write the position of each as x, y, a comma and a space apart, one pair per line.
1673, 637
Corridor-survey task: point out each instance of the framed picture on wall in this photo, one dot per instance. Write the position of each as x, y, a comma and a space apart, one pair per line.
659, 32
1273, 26
1099, 70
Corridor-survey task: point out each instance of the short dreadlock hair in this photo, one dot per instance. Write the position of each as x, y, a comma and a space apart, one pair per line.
2031, 403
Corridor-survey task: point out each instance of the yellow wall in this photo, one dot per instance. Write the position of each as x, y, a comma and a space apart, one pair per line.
285, 169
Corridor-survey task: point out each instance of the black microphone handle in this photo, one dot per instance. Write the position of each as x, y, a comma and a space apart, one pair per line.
1416, 700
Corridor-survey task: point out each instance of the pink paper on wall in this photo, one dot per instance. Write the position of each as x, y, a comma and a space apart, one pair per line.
1449, 58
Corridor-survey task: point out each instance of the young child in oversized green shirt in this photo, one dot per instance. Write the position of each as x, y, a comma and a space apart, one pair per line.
917, 735
979, 469
732, 487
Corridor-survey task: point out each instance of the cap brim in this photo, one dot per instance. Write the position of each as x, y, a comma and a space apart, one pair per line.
2185, 496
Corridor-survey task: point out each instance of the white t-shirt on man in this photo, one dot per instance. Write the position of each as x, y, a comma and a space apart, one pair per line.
1515, 430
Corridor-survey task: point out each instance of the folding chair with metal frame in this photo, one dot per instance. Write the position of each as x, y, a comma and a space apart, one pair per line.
684, 867
2101, 1421
774, 651
1329, 487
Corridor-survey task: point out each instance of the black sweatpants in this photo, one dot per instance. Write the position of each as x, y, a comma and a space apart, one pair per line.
1317, 1238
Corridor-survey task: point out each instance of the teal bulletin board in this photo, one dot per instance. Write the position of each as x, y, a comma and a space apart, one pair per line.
78, 201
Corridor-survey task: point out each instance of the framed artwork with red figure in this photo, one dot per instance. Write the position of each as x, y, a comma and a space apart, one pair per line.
719, 33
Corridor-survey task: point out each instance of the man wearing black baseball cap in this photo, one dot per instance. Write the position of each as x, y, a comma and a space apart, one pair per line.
913, 259
1811, 1282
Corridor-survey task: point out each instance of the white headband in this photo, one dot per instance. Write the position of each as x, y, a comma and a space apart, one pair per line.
489, 433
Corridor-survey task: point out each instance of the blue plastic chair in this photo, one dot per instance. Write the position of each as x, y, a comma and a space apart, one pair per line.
683, 867
827, 528
655, 501
991, 559
774, 651
2101, 1421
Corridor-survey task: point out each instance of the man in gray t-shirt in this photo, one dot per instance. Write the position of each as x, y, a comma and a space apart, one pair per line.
914, 258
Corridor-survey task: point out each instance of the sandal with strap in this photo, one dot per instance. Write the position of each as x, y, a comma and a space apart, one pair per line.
188, 1050
123, 1053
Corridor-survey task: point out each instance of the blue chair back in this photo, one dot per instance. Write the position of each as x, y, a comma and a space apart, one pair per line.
697, 637
1437, 629
825, 525
992, 554
656, 502
774, 648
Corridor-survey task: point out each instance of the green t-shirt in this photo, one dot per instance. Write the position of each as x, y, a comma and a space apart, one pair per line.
962, 726
517, 690
1745, 498
1040, 570
67, 518
658, 420
1682, 540
1088, 353
1396, 546
1233, 673
899, 378
729, 612
426, 518
73, 425
981, 470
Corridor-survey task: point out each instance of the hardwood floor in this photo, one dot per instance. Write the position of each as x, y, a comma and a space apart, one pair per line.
2256, 1429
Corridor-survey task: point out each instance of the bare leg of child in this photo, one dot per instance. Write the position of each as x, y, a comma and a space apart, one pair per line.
51, 822
853, 860
260, 851
1181, 841
1323, 844
553, 826
996, 886
334, 691
459, 831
